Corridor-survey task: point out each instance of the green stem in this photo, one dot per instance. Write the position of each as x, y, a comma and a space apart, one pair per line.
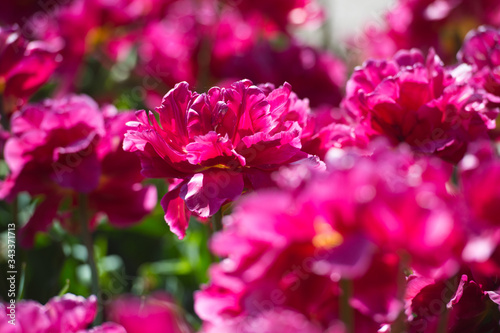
346, 311
327, 38
217, 221
89, 244
15, 212
216, 226
65, 288
443, 321
22, 280
3, 115
204, 63
399, 326
444, 318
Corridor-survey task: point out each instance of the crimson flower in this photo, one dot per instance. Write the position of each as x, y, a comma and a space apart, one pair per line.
216, 144
67, 313
470, 307
479, 172
65, 147
425, 24
154, 313
25, 66
419, 101
283, 12
314, 74
481, 50
288, 248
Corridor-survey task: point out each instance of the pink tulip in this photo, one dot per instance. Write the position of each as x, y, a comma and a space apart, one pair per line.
65, 314
151, 314
425, 24
218, 143
361, 220
64, 147
24, 67
418, 101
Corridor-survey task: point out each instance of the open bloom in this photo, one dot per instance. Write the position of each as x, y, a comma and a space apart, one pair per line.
126, 12
82, 26
479, 174
327, 128
216, 144
283, 12
481, 50
470, 307
313, 74
65, 314
52, 135
420, 102
154, 313
25, 67
425, 24
287, 249
272, 321
167, 51
272, 273
62, 148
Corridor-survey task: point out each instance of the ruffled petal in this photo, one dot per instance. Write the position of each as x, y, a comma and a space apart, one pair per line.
205, 192
176, 213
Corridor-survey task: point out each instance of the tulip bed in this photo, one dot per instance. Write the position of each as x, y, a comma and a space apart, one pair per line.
201, 166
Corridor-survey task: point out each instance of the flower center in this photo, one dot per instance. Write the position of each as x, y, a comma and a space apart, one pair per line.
326, 237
